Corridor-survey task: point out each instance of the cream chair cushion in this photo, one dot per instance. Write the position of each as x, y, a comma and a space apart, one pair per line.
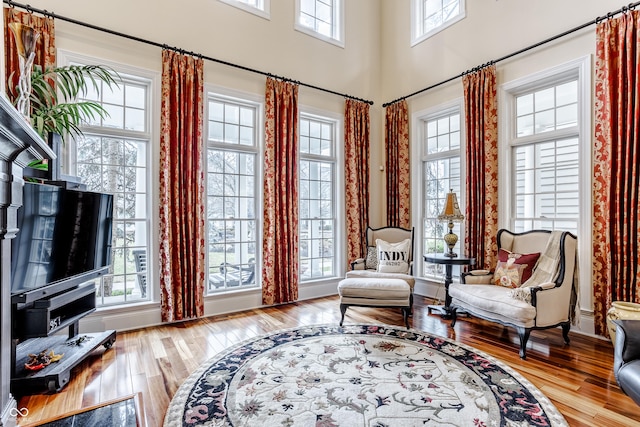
373, 274
374, 292
493, 302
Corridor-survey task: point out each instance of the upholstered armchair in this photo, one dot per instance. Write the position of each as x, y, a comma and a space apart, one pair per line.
367, 265
626, 362
382, 277
546, 298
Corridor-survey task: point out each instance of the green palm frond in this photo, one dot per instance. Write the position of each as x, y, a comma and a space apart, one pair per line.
65, 118
54, 94
38, 164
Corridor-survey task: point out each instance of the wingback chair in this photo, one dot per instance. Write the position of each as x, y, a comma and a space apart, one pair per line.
537, 304
365, 285
367, 264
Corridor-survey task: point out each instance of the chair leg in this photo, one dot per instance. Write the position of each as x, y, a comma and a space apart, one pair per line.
454, 315
411, 304
343, 310
565, 331
523, 333
405, 315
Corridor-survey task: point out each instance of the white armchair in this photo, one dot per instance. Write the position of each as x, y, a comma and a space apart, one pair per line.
366, 266
547, 300
382, 283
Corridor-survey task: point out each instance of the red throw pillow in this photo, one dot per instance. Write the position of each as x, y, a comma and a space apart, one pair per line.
528, 260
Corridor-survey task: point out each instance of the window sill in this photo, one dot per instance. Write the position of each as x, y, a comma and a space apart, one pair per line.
125, 308
310, 32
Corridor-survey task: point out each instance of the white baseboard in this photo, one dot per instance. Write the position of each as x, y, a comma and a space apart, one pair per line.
145, 315
319, 289
121, 318
428, 289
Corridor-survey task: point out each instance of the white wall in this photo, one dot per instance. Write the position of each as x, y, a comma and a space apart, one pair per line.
491, 29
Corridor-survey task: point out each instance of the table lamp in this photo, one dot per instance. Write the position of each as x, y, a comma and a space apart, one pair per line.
451, 213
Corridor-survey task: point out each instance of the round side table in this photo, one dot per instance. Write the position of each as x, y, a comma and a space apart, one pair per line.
448, 263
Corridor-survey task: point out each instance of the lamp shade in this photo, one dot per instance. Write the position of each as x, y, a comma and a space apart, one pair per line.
451, 211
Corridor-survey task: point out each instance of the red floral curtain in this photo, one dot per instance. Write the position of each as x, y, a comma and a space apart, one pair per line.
45, 47
280, 242
616, 173
356, 153
397, 163
182, 204
481, 120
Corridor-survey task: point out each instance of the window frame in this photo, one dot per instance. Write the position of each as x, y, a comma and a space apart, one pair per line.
151, 81
419, 155
418, 33
508, 93
305, 113
338, 24
263, 12
257, 103
580, 67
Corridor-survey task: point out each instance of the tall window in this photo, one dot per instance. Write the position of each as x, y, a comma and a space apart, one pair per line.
546, 138
257, 7
322, 19
231, 193
112, 157
428, 17
545, 158
441, 172
317, 198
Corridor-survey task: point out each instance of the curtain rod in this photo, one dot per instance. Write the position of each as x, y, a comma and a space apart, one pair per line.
44, 12
609, 15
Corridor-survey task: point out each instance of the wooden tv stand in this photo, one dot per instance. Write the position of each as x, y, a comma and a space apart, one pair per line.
39, 318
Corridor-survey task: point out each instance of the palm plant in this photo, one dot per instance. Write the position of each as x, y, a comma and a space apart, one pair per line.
55, 107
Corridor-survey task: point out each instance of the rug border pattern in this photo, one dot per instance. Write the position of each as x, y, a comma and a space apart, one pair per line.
176, 408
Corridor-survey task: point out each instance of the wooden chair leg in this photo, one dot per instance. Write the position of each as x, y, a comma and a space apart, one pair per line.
343, 310
565, 332
454, 315
523, 333
405, 314
411, 304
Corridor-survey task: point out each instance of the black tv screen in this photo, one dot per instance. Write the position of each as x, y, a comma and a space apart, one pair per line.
62, 233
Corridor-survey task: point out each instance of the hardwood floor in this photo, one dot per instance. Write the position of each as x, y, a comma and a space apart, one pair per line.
577, 378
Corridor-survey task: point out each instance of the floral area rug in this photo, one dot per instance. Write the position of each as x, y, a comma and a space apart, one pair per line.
361, 375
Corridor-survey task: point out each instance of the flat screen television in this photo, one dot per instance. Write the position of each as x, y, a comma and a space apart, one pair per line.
64, 237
